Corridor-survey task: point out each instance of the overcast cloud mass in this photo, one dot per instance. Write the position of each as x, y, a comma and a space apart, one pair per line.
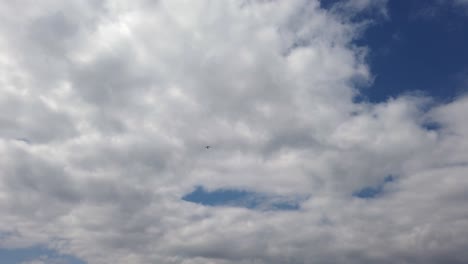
106, 108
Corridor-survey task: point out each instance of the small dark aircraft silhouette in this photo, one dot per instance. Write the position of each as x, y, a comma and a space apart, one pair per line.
208, 147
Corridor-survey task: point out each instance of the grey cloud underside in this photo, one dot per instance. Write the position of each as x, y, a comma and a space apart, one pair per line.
105, 109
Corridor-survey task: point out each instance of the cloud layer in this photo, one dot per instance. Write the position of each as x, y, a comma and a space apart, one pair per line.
106, 106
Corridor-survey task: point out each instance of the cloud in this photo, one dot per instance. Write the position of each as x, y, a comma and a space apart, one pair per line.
117, 99
437, 9
461, 2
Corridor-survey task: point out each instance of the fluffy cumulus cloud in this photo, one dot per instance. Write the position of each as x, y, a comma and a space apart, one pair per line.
106, 106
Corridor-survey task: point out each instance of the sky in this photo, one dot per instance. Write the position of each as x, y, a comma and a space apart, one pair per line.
337, 131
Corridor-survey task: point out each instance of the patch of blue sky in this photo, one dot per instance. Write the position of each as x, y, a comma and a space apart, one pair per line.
431, 126
25, 140
370, 192
412, 51
419, 48
25, 255
243, 198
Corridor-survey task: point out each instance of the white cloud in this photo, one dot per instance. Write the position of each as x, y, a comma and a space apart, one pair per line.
461, 2
106, 108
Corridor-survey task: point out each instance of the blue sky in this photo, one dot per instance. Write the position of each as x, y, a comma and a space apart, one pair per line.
371, 192
421, 46
37, 253
242, 198
337, 129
